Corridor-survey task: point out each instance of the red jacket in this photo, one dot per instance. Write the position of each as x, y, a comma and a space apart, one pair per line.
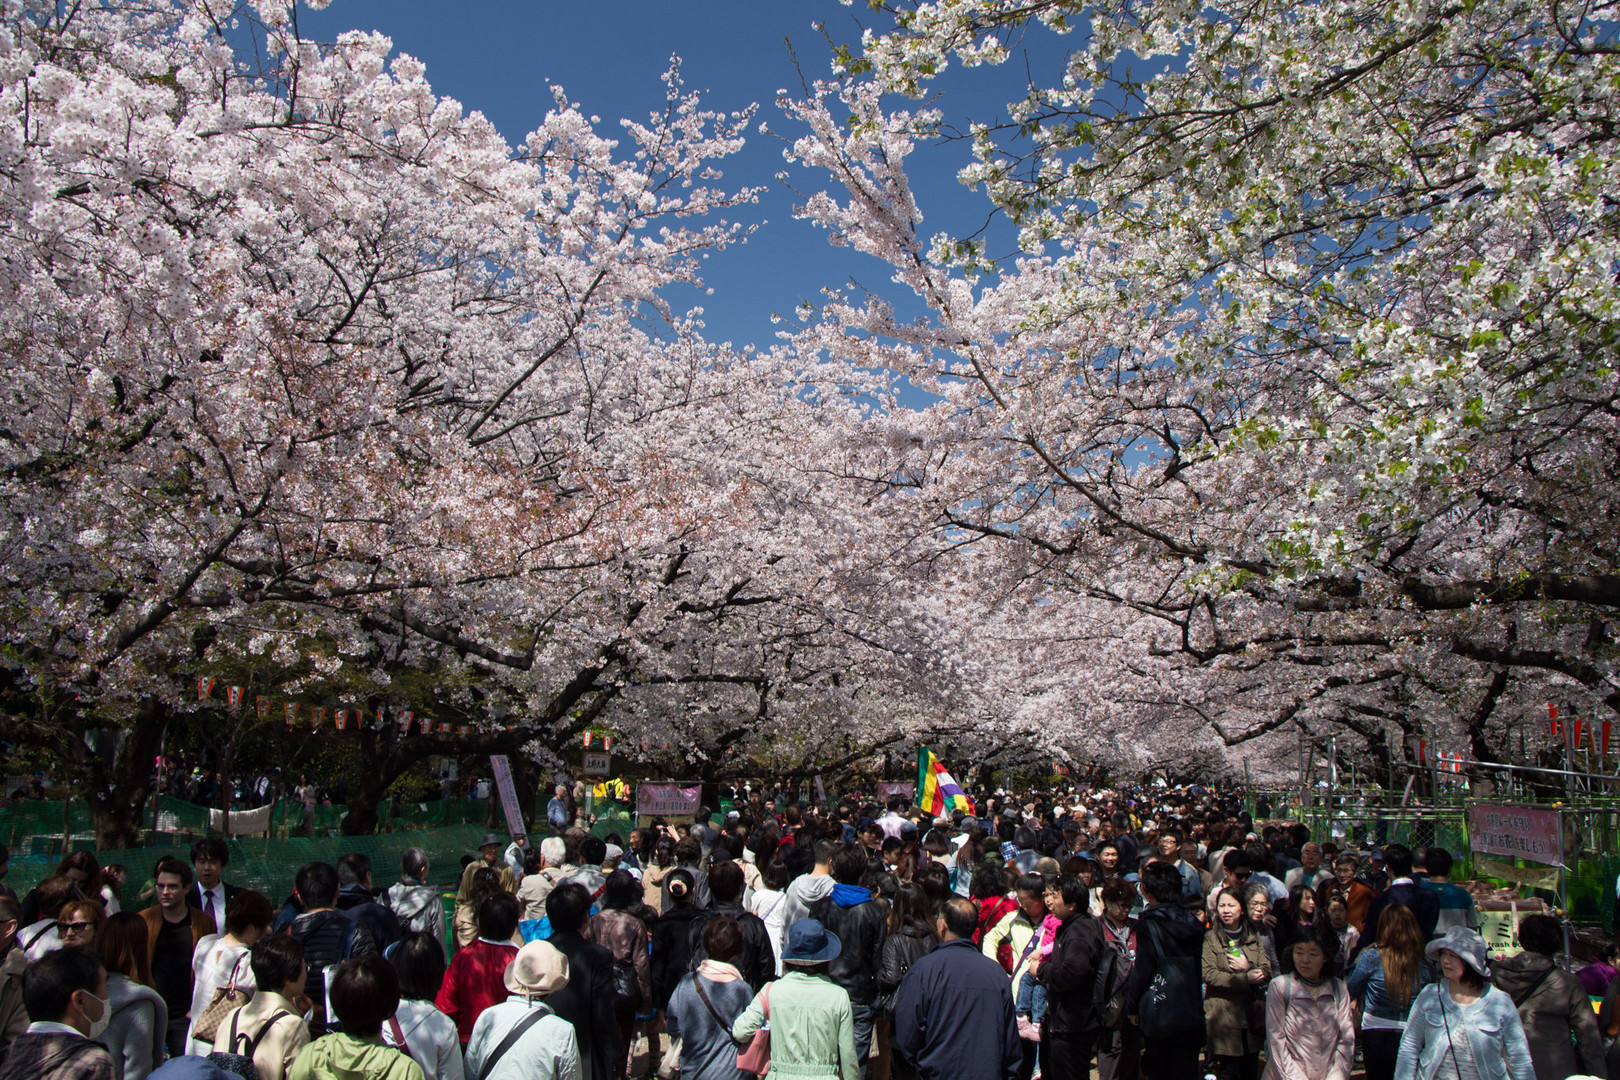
474, 982
992, 911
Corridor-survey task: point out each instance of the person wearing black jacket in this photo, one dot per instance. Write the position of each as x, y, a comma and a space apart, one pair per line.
1403, 890
1165, 993
1071, 1025
910, 938
860, 924
329, 937
755, 960
672, 936
358, 902
587, 1001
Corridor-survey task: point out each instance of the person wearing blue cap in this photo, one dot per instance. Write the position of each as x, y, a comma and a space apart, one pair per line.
811, 1023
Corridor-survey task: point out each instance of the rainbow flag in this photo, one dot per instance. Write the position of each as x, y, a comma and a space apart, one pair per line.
937, 791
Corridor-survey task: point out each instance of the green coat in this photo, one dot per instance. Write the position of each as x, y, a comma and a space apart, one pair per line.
341, 1056
1228, 995
812, 1027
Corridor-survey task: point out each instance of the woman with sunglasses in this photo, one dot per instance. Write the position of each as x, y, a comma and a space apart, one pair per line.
80, 923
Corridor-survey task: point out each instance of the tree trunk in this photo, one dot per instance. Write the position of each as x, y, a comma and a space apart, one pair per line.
119, 793
368, 789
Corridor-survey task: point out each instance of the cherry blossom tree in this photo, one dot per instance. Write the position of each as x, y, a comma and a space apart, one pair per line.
1300, 389
309, 373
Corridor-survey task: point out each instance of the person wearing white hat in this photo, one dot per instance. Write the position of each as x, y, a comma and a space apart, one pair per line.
521, 1038
1462, 1028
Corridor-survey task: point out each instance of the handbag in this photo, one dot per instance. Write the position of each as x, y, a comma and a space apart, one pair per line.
669, 1066
626, 988
1178, 980
226, 1000
756, 1056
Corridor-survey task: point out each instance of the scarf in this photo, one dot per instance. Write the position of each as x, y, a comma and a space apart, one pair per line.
718, 971
847, 896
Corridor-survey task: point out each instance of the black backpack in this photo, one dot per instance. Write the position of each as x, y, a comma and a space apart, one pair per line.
238, 1060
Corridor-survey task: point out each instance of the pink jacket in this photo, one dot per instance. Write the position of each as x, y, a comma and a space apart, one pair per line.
1309, 1033
1049, 931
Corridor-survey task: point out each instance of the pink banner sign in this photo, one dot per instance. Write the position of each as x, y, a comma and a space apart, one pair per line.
1516, 832
906, 788
667, 800
508, 793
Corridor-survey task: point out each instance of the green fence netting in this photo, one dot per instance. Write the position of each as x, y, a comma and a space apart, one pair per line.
445, 828
269, 864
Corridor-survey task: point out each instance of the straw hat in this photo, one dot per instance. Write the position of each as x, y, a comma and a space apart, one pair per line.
539, 969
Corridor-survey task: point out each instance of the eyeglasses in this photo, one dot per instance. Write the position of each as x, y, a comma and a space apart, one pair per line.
74, 927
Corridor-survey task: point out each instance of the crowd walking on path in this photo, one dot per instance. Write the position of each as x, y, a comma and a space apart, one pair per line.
1159, 934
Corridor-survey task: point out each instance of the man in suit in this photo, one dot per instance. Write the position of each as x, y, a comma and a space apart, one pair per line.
587, 1000
209, 893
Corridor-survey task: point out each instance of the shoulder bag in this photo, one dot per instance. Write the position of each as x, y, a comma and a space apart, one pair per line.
756, 1056
511, 1039
226, 1000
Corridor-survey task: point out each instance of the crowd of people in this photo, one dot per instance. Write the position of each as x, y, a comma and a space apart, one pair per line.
1162, 934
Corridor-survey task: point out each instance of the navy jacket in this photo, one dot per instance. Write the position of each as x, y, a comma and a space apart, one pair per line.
953, 1016
1423, 903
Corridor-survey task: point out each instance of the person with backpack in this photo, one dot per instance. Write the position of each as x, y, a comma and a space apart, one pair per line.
269, 1030
329, 937
1164, 995
365, 993
756, 960
413, 901
1309, 1031
1069, 1030
909, 939
1236, 969
1119, 1047
618, 928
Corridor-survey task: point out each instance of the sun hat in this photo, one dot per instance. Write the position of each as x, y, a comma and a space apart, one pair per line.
539, 968
1466, 944
808, 942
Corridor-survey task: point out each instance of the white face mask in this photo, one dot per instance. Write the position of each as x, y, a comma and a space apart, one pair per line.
99, 1026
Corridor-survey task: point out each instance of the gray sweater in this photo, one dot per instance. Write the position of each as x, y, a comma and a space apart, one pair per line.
135, 1033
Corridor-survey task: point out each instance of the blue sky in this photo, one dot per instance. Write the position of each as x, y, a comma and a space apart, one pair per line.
500, 56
